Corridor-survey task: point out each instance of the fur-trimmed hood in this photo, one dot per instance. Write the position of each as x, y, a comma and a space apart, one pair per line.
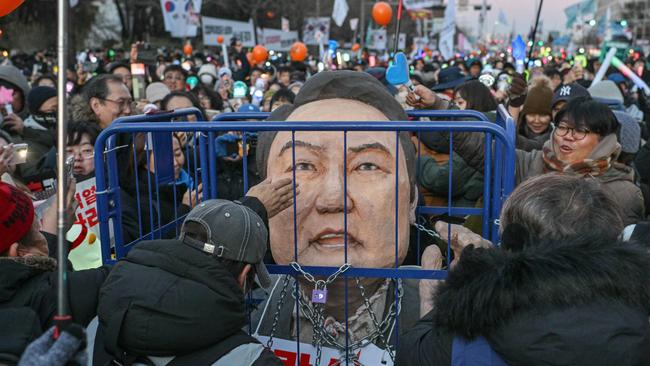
489, 286
553, 302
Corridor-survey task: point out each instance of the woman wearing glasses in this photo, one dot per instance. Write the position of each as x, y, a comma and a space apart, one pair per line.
583, 142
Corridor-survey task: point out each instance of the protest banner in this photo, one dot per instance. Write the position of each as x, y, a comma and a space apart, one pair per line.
286, 351
314, 26
215, 27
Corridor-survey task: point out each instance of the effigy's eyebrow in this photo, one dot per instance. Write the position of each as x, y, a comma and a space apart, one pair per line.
300, 143
370, 146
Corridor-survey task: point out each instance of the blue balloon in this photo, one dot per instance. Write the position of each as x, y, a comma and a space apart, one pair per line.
398, 72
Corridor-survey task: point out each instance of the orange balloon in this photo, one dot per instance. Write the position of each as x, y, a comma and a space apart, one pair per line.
251, 60
260, 54
298, 52
220, 39
382, 13
187, 49
7, 6
355, 47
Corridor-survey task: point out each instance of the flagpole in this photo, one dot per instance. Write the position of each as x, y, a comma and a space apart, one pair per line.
62, 314
532, 46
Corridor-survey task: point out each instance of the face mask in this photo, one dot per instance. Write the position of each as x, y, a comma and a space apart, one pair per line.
45, 119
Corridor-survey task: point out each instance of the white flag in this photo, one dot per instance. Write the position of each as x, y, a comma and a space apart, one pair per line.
285, 24
181, 17
354, 23
446, 45
340, 11
502, 18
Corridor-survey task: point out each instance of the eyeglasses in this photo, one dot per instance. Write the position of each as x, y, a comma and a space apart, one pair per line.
122, 103
577, 133
83, 154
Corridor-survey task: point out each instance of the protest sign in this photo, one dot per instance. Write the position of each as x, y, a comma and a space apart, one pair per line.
286, 351
314, 26
215, 27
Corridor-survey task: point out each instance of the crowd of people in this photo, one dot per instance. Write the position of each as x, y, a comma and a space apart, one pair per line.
569, 283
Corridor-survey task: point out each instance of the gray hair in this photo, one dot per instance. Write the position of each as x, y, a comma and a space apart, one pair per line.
557, 206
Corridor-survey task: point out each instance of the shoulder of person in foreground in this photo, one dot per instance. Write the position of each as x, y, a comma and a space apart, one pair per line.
488, 287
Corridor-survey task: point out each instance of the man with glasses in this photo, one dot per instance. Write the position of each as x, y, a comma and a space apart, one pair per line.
174, 77
104, 99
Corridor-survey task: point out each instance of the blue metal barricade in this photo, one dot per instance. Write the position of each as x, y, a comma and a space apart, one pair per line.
498, 180
107, 164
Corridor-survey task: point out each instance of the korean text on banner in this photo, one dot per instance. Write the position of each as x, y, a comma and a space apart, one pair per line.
277, 40
286, 351
215, 27
87, 254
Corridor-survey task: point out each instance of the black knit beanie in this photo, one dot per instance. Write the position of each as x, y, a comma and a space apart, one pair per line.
38, 96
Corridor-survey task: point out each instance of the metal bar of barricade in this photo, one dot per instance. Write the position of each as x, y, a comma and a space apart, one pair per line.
448, 114
107, 214
240, 116
345, 235
487, 180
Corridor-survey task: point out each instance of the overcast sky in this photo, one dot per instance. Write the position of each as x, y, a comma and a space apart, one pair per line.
523, 12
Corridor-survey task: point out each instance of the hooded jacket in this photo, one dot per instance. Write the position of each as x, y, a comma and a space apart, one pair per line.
584, 302
13, 75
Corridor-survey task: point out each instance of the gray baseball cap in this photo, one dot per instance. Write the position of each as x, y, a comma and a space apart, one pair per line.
234, 232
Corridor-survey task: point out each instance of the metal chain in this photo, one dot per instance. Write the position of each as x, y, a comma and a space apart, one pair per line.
276, 316
319, 309
373, 317
381, 328
431, 233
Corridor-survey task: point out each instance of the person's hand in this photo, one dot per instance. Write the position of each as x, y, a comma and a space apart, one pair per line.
6, 157
461, 237
275, 196
431, 260
421, 97
13, 123
190, 197
49, 222
45, 350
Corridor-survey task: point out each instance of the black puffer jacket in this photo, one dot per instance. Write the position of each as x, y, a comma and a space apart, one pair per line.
163, 289
28, 290
579, 303
166, 299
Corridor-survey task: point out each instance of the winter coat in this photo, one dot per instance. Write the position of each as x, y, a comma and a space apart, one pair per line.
618, 180
466, 185
528, 140
164, 207
570, 303
28, 298
166, 298
40, 141
14, 76
467, 182
230, 178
